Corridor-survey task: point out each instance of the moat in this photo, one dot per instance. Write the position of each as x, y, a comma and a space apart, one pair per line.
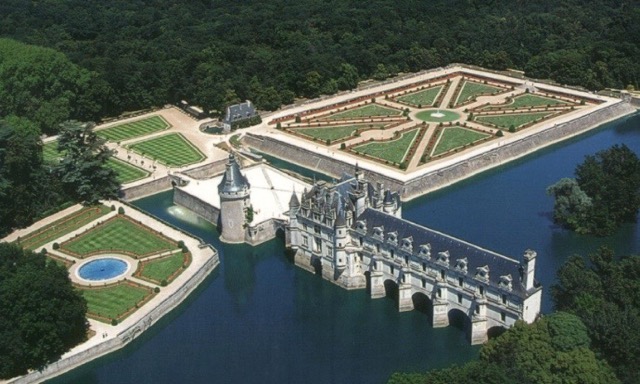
259, 318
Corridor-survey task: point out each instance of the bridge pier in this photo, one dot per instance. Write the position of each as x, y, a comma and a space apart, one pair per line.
405, 301
377, 285
478, 330
440, 314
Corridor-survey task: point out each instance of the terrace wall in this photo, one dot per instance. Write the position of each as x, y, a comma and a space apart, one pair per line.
196, 205
207, 171
445, 176
145, 189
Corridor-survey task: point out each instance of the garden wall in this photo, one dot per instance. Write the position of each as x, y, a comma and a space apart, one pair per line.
148, 188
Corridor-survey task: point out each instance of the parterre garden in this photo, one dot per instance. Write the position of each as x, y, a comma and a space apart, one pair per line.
134, 129
162, 259
172, 149
414, 124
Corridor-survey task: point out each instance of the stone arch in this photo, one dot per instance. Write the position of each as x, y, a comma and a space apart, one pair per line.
391, 289
316, 263
422, 303
460, 320
496, 331
280, 234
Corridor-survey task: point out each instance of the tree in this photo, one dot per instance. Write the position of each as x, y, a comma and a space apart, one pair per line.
604, 195
348, 77
571, 206
83, 170
41, 317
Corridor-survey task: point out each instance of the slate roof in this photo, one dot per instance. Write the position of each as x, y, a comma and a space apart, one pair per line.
238, 112
458, 249
233, 180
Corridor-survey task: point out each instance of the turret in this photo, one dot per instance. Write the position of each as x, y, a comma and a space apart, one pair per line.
234, 199
340, 230
388, 204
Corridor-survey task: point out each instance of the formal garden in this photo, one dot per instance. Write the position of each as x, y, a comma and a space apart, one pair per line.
172, 150
453, 112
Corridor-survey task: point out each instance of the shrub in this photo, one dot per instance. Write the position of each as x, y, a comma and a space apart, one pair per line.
156, 289
163, 283
180, 244
298, 119
121, 211
43, 251
343, 146
113, 207
512, 128
278, 126
499, 133
114, 322
56, 246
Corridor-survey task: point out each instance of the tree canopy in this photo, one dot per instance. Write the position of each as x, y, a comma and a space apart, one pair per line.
41, 314
165, 51
604, 195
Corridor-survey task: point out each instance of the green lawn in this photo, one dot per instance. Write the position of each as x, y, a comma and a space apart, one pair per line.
163, 268
335, 133
115, 301
120, 234
528, 100
366, 111
471, 89
172, 149
517, 120
424, 98
62, 226
126, 172
134, 129
50, 152
447, 115
456, 137
393, 151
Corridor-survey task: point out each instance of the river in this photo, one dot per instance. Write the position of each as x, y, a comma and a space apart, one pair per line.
260, 319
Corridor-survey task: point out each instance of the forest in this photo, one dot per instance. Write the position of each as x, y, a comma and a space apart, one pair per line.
136, 54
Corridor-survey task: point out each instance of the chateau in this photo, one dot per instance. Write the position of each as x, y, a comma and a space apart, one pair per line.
352, 233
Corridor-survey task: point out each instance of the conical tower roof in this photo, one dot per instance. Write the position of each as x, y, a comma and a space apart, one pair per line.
233, 181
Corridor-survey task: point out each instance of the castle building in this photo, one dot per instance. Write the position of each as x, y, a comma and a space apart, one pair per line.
352, 233
236, 113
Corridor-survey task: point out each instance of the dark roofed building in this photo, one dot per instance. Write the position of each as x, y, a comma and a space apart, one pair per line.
237, 113
353, 234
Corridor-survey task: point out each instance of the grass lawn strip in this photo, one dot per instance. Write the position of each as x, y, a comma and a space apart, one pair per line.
471, 89
119, 234
126, 172
369, 110
163, 269
528, 100
62, 226
172, 149
456, 137
115, 301
335, 133
424, 98
393, 151
134, 129
517, 120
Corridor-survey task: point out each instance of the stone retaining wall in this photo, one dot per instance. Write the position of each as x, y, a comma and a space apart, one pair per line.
445, 176
148, 188
197, 206
127, 335
206, 171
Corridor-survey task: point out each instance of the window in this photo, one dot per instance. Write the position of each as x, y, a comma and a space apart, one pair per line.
504, 299
459, 298
316, 228
440, 292
424, 283
392, 269
392, 254
305, 227
406, 259
378, 248
424, 267
477, 309
460, 282
481, 290
305, 241
361, 241
442, 274
317, 245
329, 251
503, 316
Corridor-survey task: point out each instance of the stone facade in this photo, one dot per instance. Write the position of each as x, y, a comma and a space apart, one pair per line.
353, 235
234, 191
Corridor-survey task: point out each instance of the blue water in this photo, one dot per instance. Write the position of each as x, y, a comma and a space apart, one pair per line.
260, 319
102, 269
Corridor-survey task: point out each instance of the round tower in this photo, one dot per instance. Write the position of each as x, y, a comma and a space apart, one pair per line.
234, 200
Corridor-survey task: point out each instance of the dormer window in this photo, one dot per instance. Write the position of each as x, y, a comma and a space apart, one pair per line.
361, 226
461, 265
425, 250
506, 282
482, 273
378, 232
407, 244
392, 237
443, 257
